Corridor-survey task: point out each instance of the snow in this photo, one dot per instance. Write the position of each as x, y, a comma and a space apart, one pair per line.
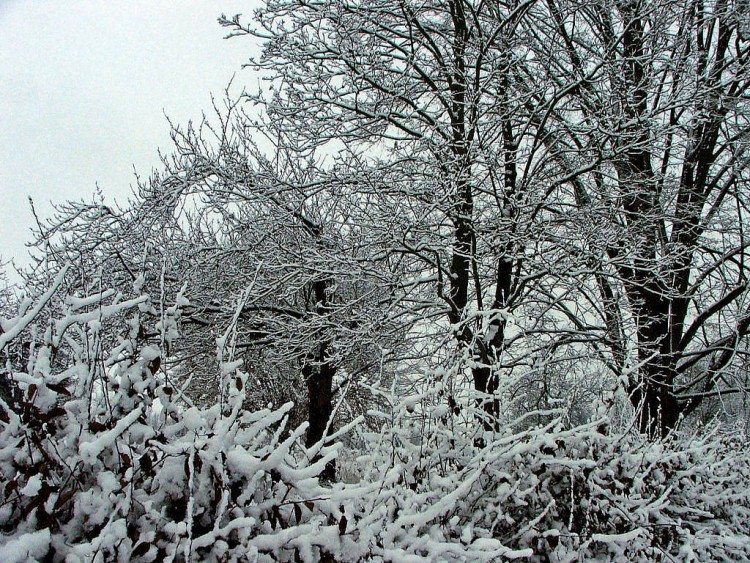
26, 547
127, 467
149, 353
32, 486
13, 327
192, 419
617, 538
76, 303
90, 450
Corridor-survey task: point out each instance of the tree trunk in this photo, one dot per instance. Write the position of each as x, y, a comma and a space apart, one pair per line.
320, 401
318, 372
654, 399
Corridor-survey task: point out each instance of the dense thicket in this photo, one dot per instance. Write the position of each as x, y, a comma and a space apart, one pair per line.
104, 458
461, 281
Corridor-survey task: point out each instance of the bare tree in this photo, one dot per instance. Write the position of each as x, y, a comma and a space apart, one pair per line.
267, 233
576, 170
658, 123
424, 96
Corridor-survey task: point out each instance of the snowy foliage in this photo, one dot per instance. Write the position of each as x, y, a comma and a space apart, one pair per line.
496, 254
550, 493
102, 459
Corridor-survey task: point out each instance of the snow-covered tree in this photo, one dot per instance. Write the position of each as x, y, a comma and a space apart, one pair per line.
494, 251
658, 121
443, 131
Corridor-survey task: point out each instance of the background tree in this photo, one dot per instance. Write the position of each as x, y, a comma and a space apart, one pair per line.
424, 98
658, 122
460, 167
274, 239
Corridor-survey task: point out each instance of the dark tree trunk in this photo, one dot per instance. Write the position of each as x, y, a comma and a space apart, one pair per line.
318, 372
486, 382
320, 395
649, 294
319, 380
654, 399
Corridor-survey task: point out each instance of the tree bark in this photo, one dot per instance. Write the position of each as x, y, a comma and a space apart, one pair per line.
318, 372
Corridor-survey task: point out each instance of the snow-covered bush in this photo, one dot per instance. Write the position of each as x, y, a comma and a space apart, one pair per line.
549, 493
101, 459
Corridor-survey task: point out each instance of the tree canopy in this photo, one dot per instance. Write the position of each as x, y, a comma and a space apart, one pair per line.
459, 281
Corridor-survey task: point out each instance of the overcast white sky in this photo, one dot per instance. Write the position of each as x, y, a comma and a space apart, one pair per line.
84, 88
